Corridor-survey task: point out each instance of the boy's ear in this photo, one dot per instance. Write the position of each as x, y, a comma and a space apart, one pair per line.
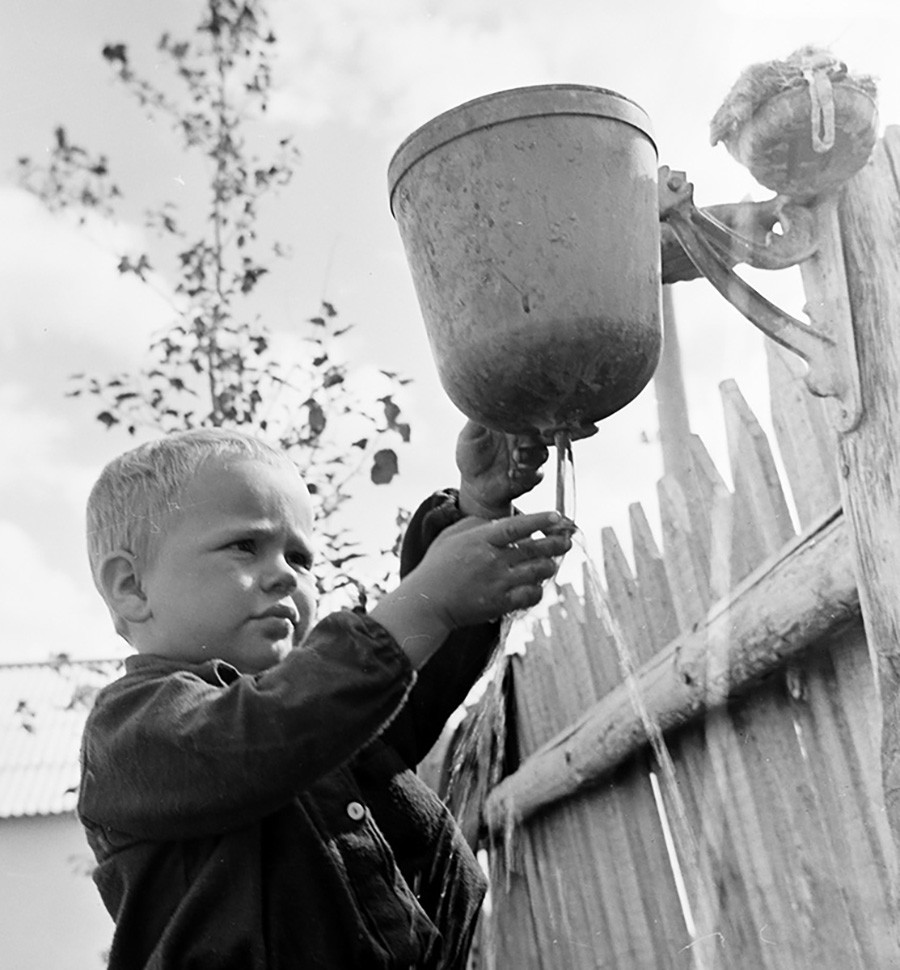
122, 590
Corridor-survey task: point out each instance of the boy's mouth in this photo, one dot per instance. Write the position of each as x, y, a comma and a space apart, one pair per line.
280, 612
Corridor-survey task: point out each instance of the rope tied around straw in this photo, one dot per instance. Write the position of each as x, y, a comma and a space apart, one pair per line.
816, 67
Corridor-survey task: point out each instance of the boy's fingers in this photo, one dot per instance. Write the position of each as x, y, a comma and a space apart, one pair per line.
516, 527
544, 548
523, 597
566, 527
529, 452
533, 572
508, 531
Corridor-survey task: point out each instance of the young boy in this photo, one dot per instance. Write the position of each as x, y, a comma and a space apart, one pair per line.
248, 786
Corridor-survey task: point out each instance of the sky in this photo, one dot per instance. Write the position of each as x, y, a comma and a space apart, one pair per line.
353, 78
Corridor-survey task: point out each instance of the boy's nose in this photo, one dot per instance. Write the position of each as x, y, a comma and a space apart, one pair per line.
279, 574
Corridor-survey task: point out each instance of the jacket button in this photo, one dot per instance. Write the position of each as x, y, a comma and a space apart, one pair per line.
356, 811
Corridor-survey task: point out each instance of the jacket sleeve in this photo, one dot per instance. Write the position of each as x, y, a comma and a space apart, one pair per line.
446, 679
170, 752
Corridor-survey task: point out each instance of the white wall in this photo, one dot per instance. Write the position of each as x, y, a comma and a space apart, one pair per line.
51, 916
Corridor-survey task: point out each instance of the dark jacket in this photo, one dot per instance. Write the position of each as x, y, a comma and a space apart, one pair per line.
276, 821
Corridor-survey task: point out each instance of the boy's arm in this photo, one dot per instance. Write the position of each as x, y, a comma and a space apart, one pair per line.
171, 752
445, 679
494, 470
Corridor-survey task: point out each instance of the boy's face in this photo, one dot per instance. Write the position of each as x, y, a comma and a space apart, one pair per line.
231, 575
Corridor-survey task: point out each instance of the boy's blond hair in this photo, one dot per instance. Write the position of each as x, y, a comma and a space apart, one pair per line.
135, 492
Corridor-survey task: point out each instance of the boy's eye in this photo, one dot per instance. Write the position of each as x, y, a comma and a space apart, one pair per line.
243, 545
300, 560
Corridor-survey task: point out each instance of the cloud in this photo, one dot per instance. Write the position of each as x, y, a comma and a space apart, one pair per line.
394, 64
45, 610
50, 457
390, 67
767, 9
60, 290
65, 308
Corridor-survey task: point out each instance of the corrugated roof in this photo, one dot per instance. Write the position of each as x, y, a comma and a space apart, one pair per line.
43, 707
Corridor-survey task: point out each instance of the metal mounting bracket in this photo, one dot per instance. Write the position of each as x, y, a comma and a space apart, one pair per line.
826, 345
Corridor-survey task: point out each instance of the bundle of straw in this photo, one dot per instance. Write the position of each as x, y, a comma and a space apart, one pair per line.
801, 125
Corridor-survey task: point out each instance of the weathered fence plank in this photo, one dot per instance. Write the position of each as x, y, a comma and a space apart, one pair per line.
626, 603
601, 649
807, 441
855, 706
687, 563
870, 455
510, 928
650, 572
702, 777
762, 522
552, 686
702, 833
841, 776
637, 637
671, 398
582, 889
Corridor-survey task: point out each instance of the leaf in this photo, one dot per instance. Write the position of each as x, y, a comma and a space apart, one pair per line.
391, 411
251, 277
107, 419
316, 417
384, 466
334, 376
341, 561
125, 265
116, 52
393, 376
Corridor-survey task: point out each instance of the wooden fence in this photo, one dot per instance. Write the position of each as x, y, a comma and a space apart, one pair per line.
716, 704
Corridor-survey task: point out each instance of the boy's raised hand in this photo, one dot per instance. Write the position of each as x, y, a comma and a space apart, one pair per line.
495, 469
476, 571
473, 572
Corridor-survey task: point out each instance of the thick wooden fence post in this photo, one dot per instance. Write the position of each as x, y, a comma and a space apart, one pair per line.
869, 214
